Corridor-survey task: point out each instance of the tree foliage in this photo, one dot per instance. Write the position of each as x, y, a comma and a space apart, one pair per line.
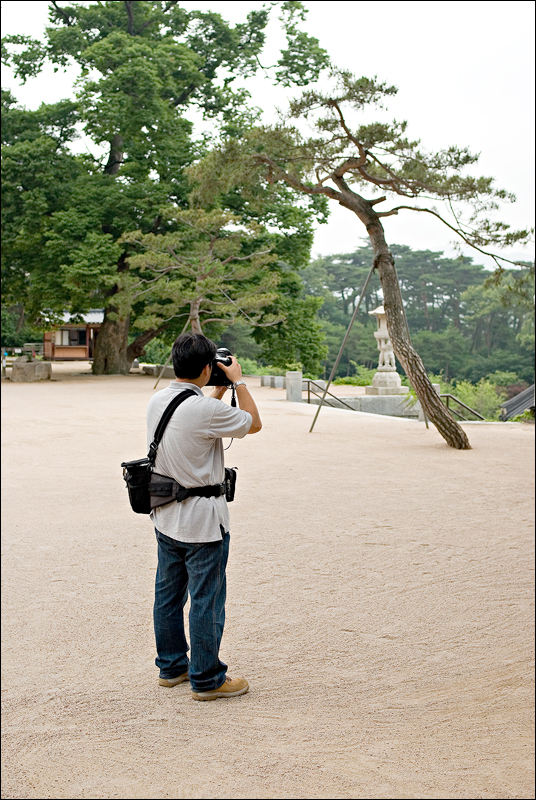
144, 66
204, 266
461, 323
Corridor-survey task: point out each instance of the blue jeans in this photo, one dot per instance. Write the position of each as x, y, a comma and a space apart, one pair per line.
200, 570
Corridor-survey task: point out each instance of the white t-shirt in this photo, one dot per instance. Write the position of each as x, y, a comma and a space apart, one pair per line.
191, 452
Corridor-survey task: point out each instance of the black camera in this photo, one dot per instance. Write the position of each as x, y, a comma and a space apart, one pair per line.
218, 376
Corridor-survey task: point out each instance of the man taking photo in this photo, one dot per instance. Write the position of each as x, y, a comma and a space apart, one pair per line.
193, 535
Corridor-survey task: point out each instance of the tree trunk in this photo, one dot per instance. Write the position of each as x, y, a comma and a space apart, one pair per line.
130, 15
136, 348
110, 357
194, 316
432, 406
21, 319
115, 159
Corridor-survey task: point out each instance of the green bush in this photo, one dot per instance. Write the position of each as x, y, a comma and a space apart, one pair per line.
526, 416
252, 367
362, 377
156, 352
249, 366
482, 396
503, 379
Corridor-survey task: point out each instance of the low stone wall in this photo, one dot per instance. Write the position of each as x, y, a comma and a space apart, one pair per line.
280, 381
396, 405
389, 405
155, 369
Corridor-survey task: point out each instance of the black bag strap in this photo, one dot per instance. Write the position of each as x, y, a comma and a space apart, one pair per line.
166, 416
207, 491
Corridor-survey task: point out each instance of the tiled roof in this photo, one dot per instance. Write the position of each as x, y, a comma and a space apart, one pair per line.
518, 404
92, 317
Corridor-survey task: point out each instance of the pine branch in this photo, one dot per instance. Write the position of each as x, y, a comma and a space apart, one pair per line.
65, 16
457, 231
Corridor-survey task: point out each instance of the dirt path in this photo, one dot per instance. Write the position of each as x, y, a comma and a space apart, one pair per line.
379, 603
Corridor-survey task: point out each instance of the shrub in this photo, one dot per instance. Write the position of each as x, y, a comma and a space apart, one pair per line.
363, 377
503, 379
526, 416
156, 352
249, 366
482, 396
252, 367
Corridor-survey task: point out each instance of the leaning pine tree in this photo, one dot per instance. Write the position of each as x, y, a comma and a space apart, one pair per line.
341, 162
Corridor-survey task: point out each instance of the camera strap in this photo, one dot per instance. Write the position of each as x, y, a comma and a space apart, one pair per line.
233, 403
198, 491
166, 416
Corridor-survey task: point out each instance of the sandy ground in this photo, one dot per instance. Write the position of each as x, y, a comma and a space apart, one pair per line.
380, 593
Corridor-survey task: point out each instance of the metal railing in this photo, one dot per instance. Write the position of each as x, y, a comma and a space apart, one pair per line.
37, 347
448, 398
320, 393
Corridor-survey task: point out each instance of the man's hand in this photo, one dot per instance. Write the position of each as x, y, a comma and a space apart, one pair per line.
233, 371
245, 400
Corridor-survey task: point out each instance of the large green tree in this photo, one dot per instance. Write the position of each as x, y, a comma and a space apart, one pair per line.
359, 166
144, 67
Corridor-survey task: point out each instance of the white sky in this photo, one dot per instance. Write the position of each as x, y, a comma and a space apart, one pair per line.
465, 73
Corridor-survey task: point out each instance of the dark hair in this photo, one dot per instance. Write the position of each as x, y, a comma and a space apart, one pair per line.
191, 353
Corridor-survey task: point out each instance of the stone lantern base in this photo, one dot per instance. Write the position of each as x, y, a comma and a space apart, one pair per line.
386, 381
24, 371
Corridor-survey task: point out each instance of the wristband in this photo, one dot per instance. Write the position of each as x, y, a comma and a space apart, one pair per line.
239, 383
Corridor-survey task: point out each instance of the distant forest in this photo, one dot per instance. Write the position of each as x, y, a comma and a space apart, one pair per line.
461, 324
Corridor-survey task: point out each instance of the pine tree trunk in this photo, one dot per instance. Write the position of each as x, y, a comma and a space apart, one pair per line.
194, 319
110, 357
431, 404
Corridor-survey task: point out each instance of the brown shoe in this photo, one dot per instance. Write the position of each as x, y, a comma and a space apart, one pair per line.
231, 687
171, 682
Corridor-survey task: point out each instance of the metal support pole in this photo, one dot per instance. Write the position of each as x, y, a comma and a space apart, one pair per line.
343, 345
162, 370
169, 357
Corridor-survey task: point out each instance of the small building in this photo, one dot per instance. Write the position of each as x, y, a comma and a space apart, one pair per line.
73, 341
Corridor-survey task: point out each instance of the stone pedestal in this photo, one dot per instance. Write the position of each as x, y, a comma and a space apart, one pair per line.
386, 381
294, 382
24, 371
